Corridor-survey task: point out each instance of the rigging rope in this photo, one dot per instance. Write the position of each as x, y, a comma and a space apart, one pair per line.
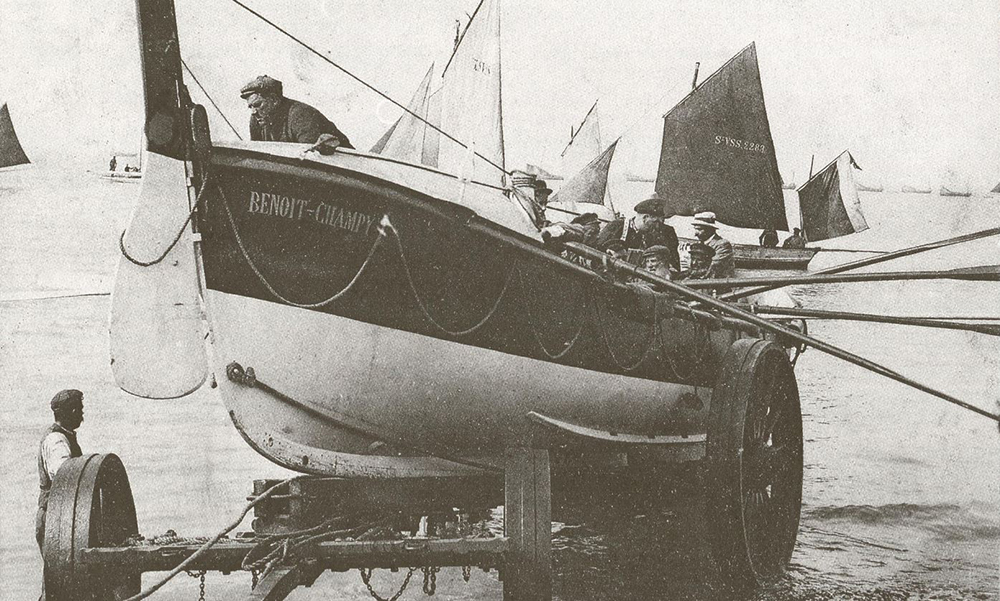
271, 289
365, 83
177, 238
207, 95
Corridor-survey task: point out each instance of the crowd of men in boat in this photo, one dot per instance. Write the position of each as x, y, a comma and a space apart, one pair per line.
645, 239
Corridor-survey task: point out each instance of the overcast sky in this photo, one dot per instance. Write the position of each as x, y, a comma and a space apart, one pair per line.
911, 87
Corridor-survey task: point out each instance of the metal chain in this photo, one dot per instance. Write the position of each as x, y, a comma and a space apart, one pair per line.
253, 579
201, 584
466, 573
430, 580
367, 576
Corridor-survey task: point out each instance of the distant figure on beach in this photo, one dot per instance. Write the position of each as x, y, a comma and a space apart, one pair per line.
58, 444
795, 240
275, 118
769, 239
113, 164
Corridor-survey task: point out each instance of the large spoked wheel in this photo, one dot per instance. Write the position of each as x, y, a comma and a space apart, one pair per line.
90, 505
754, 464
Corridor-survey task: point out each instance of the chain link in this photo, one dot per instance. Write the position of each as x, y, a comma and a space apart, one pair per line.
430, 580
254, 578
466, 573
366, 577
201, 584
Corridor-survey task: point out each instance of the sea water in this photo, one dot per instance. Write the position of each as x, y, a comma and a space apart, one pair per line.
901, 495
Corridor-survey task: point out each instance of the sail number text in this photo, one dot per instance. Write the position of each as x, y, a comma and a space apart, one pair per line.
741, 144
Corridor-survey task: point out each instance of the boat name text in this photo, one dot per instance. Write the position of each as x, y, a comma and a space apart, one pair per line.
742, 144
299, 209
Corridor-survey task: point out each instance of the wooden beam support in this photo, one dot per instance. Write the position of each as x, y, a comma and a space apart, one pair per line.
527, 525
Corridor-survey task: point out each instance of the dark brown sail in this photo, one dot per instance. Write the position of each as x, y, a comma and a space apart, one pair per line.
11, 152
717, 152
829, 202
996, 189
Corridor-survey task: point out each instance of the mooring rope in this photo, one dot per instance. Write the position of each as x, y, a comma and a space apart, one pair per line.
387, 225
177, 238
271, 289
204, 548
534, 330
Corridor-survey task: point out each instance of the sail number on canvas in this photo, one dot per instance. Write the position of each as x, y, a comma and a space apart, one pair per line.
741, 144
299, 209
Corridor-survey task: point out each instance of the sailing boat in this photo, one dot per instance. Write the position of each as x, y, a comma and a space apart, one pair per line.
908, 189
717, 155
121, 170
586, 191
829, 203
789, 185
11, 152
996, 189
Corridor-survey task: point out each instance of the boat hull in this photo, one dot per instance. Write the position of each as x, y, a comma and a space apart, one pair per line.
384, 326
749, 256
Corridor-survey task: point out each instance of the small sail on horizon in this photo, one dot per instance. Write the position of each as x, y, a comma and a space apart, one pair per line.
588, 187
404, 140
584, 143
996, 189
829, 203
11, 152
468, 104
717, 153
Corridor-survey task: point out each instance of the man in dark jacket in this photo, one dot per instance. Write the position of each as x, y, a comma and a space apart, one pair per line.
795, 240
274, 118
646, 229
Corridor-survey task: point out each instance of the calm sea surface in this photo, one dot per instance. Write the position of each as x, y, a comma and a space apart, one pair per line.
901, 492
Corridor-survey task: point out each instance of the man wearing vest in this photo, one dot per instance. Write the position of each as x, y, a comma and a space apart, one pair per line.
646, 229
58, 445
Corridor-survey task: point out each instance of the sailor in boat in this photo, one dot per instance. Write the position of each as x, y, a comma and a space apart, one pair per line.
112, 164
57, 445
656, 259
646, 229
707, 231
275, 118
542, 193
701, 261
796, 240
769, 239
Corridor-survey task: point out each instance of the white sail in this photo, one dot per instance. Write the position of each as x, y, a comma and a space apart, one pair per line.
584, 144
405, 139
471, 110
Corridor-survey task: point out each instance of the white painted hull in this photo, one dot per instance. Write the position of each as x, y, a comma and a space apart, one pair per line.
432, 393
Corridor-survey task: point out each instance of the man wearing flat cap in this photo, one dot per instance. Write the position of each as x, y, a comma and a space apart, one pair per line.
275, 118
58, 444
656, 259
724, 258
646, 229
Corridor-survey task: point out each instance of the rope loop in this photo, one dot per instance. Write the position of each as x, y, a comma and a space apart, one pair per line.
387, 226
270, 288
534, 331
177, 238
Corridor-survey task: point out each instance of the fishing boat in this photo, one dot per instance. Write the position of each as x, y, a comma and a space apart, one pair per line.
865, 188
586, 162
954, 191
908, 189
11, 152
730, 170
121, 169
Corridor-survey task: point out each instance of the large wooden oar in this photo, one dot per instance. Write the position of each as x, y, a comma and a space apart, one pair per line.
875, 260
982, 328
764, 324
985, 273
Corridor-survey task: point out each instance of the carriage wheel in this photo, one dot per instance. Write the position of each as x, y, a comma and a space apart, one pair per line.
754, 464
90, 505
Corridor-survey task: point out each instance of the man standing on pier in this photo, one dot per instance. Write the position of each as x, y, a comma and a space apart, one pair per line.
58, 444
